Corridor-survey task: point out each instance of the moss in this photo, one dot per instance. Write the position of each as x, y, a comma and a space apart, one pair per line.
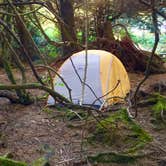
75, 116
157, 108
8, 162
47, 110
112, 157
41, 162
118, 129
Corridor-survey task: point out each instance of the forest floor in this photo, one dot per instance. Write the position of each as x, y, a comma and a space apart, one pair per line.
30, 132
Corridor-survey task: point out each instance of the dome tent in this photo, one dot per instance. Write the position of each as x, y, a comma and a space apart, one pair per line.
106, 77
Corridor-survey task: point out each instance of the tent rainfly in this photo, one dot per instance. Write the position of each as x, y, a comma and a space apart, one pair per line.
106, 80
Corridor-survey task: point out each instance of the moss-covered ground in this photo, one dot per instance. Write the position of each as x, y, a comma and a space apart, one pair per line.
119, 132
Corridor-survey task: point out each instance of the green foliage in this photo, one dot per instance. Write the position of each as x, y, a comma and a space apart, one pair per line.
8, 162
91, 38
45, 48
146, 41
119, 129
79, 36
53, 33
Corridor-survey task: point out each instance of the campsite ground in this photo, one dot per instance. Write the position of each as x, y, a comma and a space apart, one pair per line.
31, 132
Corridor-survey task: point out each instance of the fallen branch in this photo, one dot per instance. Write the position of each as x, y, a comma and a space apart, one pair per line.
9, 95
55, 95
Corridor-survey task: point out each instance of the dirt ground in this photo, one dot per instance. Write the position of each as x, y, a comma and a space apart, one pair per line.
29, 133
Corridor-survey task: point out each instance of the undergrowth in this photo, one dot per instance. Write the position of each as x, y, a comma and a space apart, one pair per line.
119, 132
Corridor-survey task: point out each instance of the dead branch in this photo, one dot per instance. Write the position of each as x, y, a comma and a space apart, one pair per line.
57, 97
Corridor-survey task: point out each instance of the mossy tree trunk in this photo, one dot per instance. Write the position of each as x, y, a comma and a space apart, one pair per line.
23, 96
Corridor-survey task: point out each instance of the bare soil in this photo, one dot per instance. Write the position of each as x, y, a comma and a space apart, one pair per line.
29, 132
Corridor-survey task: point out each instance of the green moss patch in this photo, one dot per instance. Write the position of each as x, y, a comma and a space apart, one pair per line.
120, 132
159, 111
79, 115
8, 162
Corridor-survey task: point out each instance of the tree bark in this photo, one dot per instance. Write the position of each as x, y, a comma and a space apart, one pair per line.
68, 28
26, 39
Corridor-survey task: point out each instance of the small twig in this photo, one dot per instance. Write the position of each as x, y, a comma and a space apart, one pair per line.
86, 52
107, 93
65, 161
76, 114
75, 70
62, 79
159, 145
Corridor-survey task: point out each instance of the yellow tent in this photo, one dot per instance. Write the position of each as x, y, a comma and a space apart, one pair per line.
106, 82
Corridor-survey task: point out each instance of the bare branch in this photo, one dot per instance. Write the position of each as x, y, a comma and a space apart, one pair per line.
107, 93
148, 67
21, 14
51, 69
55, 95
156, 10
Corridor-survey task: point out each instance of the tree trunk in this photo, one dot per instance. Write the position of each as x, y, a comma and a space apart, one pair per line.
68, 28
26, 38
